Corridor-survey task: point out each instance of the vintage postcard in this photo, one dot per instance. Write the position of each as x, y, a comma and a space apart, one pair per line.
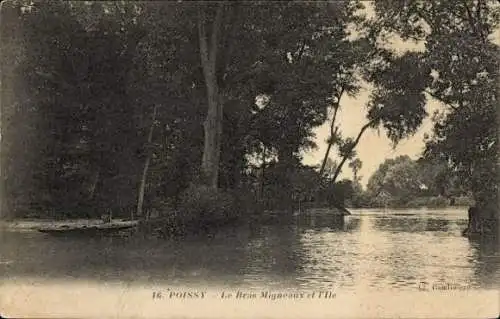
249, 159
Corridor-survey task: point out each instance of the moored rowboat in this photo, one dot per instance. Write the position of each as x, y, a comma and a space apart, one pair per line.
111, 227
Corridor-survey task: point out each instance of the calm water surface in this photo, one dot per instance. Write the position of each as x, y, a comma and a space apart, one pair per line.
371, 250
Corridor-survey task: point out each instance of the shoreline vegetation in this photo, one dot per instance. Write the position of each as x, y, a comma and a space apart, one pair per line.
174, 224
201, 209
426, 202
34, 221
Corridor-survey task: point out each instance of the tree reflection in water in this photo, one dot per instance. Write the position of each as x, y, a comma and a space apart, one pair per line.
411, 224
365, 250
486, 256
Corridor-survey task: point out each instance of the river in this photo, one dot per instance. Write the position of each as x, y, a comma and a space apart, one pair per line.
374, 250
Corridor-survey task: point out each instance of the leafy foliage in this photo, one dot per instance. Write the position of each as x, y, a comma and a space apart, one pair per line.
397, 178
398, 102
463, 59
201, 204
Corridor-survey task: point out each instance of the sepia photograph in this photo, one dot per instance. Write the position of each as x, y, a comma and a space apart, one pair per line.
249, 159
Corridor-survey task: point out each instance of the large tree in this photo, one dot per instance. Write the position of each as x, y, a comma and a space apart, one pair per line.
461, 52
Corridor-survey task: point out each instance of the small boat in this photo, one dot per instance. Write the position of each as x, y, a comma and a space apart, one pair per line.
104, 228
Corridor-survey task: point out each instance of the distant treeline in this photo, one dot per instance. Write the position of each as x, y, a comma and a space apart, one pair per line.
403, 182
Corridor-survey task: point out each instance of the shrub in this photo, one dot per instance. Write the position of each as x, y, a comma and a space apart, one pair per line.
417, 202
203, 204
463, 201
430, 202
437, 202
248, 203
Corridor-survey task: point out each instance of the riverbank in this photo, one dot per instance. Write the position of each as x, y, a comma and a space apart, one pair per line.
175, 223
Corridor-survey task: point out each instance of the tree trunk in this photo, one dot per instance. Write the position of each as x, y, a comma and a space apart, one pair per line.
484, 220
93, 185
285, 169
333, 132
325, 158
356, 141
142, 185
262, 176
213, 121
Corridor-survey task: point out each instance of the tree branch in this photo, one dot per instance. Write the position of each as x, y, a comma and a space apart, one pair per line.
333, 131
142, 185
472, 23
478, 17
434, 23
356, 141
478, 10
202, 35
441, 100
469, 15
227, 42
336, 108
301, 50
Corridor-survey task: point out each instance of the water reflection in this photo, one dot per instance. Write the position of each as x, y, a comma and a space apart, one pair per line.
412, 224
368, 250
272, 256
327, 222
486, 258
